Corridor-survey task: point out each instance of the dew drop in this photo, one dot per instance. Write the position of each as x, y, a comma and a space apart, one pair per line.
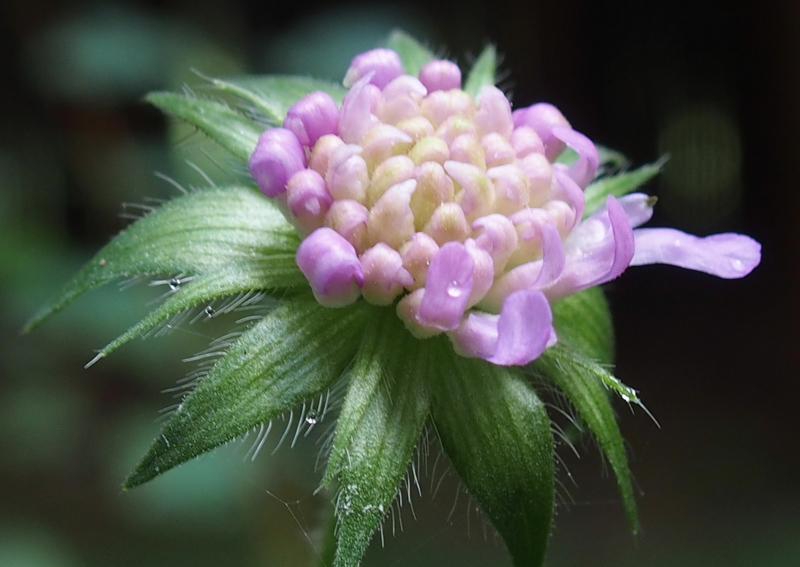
454, 289
209, 311
311, 417
174, 283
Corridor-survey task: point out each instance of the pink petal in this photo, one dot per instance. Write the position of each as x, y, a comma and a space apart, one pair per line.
356, 116
638, 207
494, 112
598, 250
312, 117
724, 255
585, 167
308, 200
517, 336
440, 75
383, 65
542, 117
448, 287
572, 191
536, 275
278, 155
331, 266
384, 275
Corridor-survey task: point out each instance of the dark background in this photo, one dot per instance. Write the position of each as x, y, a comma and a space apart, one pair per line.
714, 84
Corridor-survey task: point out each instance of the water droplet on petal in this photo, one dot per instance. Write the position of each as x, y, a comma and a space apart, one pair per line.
454, 289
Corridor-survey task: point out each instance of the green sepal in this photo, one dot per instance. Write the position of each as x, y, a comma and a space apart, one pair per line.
483, 72
608, 159
275, 272
227, 127
272, 95
586, 384
496, 432
617, 185
412, 53
296, 352
379, 425
611, 158
202, 232
584, 321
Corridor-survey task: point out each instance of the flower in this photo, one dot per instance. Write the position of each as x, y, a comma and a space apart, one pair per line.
457, 210
413, 204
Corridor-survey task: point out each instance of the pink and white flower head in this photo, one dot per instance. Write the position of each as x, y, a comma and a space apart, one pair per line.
455, 209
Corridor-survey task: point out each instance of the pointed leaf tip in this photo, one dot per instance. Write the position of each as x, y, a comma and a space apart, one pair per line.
412, 53
295, 352
226, 126
618, 185
483, 72
379, 425
496, 432
213, 231
584, 383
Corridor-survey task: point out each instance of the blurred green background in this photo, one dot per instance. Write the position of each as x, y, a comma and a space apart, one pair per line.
715, 84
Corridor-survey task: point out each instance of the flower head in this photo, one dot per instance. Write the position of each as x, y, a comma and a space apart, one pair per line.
457, 208
420, 207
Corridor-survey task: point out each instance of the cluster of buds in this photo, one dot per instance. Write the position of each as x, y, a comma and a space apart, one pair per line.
455, 208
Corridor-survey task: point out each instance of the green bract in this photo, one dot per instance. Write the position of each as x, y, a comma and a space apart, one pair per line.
490, 420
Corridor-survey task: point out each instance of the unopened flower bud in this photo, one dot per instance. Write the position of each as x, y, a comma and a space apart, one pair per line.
448, 224
440, 75
390, 219
384, 274
383, 64
332, 268
525, 141
322, 151
390, 172
349, 219
511, 188
312, 117
497, 150
347, 175
494, 112
417, 254
278, 155
434, 187
308, 200
476, 196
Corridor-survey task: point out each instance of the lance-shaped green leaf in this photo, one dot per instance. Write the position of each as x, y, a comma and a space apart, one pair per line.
226, 126
198, 233
497, 434
583, 320
618, 185
270, 272
380, 423
611, 158
584, 383
272, 95
483, 72
297, 351
412, 53
607, 158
